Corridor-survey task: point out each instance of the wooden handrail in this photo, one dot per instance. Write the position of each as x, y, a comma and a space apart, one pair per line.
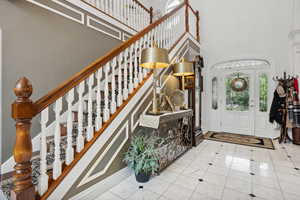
194, 11
72, 82
140, 4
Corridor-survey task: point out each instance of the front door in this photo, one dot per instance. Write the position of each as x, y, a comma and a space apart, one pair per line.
245, 111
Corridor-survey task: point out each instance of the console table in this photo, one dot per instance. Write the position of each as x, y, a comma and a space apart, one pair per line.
175, 127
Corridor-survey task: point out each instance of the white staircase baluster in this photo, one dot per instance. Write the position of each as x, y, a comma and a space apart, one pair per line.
90, 128
113, 104
130, 12
98, 100
139, 17
131, 69
139, 59
106, 113
106, 6
120, 94
136, 75
135, 17
57, 165
43, 178
80, 138
127, 13
70, 150
125, 64
110, 7
145, 46
102, 5
97, 4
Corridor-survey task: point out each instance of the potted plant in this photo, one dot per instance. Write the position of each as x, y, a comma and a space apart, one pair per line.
142, 157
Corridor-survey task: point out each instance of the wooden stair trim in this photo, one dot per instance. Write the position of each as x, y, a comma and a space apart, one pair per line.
63, 88
67, 169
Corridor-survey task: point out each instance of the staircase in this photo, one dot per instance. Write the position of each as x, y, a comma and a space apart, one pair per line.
75, 114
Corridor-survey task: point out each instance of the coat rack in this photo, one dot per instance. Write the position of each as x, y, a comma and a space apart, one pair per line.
284, 129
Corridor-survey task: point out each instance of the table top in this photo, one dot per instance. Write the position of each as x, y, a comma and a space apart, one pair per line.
153, 121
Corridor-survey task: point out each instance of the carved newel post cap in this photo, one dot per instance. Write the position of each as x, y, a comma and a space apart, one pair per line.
23, 90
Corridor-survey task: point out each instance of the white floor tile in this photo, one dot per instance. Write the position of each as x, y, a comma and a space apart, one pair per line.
239, 185
188, 182
210, 190
156, 185
267, 193
124, 190
144, 195
176, 192
198, 196
292, 188
215, 178
108, 196
234, 195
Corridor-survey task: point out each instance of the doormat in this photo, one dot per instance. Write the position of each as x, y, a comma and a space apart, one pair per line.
247, 140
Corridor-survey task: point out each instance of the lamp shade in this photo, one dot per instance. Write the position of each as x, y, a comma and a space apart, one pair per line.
184, 68
154, 58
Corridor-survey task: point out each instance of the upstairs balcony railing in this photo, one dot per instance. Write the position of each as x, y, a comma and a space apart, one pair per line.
129, 12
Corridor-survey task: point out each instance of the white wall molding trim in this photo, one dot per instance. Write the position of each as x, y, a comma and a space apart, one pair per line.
87, 178
81, 20
89, 24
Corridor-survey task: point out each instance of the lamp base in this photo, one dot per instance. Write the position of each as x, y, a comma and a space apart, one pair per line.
155, 113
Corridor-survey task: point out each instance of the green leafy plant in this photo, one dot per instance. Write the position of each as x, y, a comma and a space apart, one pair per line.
142, 156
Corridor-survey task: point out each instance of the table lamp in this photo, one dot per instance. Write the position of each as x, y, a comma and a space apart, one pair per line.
154, 58
182, 69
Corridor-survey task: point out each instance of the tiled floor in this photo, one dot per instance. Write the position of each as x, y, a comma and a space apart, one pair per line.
215, 171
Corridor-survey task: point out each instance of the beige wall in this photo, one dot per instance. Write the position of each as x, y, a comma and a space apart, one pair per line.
44, 47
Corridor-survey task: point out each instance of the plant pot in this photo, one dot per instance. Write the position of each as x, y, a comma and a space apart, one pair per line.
142, 177
296, 136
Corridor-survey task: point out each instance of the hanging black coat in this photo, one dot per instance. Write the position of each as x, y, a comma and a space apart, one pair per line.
277, 104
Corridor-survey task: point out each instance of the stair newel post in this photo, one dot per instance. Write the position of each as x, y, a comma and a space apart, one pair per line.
151, 15
98, 99
187, 28
106, 114
113, 104
80, 138
90, 128
120, 94
70, 150
131, 69
57, 165
125, 89
22, 113
198, 26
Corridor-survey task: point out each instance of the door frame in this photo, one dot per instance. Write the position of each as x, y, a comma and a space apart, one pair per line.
214, 116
